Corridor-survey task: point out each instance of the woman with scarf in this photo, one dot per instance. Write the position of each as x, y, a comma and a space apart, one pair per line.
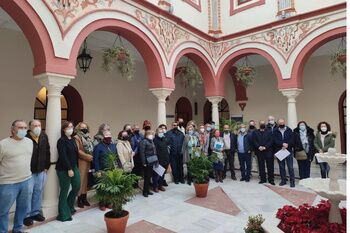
304, 149
204, 140
189, 146
85, 149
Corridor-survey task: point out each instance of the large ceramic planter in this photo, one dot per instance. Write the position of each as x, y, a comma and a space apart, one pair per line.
116, 225
201, 189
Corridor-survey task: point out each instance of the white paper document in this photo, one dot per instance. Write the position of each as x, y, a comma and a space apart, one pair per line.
282, 154
159, 170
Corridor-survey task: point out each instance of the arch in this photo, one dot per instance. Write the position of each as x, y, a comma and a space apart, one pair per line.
37, 35
155, 66
235, 56
342, 121
183, 109
75, 103
224, 111
205, 68
299, 63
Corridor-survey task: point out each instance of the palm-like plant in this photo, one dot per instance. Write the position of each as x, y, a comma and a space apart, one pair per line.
199, 167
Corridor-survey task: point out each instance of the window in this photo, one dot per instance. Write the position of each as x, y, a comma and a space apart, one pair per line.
237, 6
285, 8
242, 1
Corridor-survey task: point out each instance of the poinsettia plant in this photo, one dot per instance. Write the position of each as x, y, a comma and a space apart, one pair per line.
306, 218
338, 62
119, 57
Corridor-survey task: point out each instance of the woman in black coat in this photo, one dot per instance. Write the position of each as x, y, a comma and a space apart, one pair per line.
304, 141
147, 153
162, 147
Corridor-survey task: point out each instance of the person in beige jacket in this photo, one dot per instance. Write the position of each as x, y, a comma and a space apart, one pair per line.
125, 152
85, 149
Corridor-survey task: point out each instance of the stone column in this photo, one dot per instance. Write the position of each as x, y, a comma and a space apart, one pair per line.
54, 84
291, 95
215, 100
161, 94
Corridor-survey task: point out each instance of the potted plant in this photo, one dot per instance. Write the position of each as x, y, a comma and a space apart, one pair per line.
117, 188
120, 57
338, 62
246, 74
199, 167
190, 75
254, 224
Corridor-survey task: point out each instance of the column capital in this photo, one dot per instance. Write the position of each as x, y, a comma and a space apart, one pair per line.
161, 93
54, 83
291, 93
215, 100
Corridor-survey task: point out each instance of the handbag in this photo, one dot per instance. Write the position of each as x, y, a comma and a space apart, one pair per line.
300, 155
151, 160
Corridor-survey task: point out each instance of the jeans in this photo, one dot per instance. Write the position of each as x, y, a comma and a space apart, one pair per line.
304, 168
35, 197
245, 163
324, 170
282, 165
9, 193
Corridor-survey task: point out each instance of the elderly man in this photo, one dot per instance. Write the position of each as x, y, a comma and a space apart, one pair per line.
244, 149
15, 175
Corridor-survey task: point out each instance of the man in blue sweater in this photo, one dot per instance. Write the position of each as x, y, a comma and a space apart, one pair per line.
283, 138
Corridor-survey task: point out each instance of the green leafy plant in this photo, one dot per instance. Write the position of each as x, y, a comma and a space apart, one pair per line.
115, 187
246, 74
120, 57
338, 62
200, 167
234, 125
190, 75
254, 224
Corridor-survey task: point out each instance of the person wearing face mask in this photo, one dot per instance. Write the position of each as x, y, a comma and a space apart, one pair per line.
217, 146
181, 125
149, 158
161, 143
128, 129
125, 152
100, 153
15, 175
283, 138
189, 148
230, 146
67, 172
304, 149
146, 126
244, 153
135, 142
251, 129
324, 140
176, 138
262, 144
85, 149
204, 141
39, 165
99, 135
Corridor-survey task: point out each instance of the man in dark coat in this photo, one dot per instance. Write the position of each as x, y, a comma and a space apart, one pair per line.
39, 165
262, 143
161, 143
176, 138
284, 139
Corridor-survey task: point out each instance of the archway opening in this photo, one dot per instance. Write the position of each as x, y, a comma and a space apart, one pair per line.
183, 109
224, 111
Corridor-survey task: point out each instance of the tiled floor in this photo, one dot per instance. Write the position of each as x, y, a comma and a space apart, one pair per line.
176, 210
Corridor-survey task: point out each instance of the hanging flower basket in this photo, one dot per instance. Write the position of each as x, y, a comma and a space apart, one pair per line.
338, 62
246, 74
119, 57
190, 76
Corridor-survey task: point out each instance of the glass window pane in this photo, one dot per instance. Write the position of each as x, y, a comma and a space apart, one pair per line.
64, 114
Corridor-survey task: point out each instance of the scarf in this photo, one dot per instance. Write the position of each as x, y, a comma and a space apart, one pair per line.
86, 141
202, 138
304, 140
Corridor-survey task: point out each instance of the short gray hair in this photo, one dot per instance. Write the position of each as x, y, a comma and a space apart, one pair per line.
34, 120
13, 125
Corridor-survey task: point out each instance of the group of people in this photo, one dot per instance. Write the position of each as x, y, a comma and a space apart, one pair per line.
25, 158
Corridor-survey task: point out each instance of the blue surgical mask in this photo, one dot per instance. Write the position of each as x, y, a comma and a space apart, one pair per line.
208, 129
160, 135
302, 128
242, 130
21, 133
190, 132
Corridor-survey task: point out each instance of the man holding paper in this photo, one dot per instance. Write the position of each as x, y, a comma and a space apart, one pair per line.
284, 141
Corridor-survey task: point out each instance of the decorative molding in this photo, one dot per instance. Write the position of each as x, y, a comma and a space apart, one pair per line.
197, 4
235, 7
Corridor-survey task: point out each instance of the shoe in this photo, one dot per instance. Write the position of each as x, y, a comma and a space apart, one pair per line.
102, 208
38, 218
28, 221
150, 193
165, 183
73, 211
189, 182
182, 181
247, 180
161, 188
292, 184
242, 179
233, 177
80, 202
84, 200
155, 190
176, 182
282, 183
145, 194
272, 183
262, 181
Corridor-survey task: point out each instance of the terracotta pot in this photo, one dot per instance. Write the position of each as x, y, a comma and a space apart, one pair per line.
121, 56
116, 225
342, 58
201, 189
247, 70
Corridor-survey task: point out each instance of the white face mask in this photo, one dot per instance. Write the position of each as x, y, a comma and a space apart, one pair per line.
324, 129
68, 132
272, 122
37, 131
150, 137
201, 130
242, 130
